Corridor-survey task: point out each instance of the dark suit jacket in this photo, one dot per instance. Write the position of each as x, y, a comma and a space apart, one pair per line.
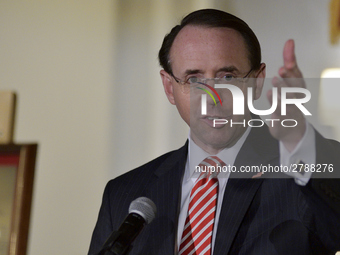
258, 216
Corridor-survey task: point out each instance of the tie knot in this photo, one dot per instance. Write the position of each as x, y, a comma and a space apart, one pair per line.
211, 166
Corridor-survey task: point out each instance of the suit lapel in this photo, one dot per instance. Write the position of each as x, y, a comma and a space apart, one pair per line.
240, 190
165, 192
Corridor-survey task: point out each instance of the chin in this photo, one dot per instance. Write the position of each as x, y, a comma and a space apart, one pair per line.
217, 140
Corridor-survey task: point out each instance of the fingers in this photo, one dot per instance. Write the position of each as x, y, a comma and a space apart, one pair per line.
289, 58
289, 76
290, 68
290, 72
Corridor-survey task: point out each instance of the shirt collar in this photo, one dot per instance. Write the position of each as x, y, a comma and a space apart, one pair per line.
196, 154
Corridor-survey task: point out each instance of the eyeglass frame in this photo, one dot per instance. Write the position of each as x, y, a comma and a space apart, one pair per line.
179, 81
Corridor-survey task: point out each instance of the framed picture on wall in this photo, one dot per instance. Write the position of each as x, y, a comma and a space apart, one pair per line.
334, 16
17, 164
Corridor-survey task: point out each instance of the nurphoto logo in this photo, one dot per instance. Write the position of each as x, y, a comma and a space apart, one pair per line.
238, 104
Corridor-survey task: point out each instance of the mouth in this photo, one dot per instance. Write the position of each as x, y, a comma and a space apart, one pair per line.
213, 117
217, 117
212, 121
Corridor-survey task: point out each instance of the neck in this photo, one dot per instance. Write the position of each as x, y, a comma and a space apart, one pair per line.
214, 149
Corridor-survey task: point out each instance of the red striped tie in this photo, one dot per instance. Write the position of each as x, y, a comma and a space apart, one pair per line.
198, 228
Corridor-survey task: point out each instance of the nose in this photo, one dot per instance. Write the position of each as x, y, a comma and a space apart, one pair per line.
214, 97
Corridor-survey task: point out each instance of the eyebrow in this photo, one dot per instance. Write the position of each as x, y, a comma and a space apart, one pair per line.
229, 69
192, 71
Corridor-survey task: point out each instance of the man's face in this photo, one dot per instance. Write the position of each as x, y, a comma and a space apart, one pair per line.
208, 52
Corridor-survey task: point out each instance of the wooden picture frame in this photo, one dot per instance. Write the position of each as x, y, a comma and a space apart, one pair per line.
334, 20
17, 164
7, 116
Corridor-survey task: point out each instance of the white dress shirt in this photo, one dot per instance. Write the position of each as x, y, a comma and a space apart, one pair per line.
304, 151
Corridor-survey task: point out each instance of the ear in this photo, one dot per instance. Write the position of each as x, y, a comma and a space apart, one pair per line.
260, 76
168, 86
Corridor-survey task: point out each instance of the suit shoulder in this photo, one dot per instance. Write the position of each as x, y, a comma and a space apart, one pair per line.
143, 175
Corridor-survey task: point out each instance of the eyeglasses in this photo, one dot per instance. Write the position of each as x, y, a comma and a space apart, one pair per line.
196, 81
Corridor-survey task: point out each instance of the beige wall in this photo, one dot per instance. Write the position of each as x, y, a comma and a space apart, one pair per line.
58, 56
86, 74
83, 71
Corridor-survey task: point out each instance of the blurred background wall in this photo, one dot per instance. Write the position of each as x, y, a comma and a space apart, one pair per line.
89, 92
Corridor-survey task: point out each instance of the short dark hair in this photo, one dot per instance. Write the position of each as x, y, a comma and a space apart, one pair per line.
212, 18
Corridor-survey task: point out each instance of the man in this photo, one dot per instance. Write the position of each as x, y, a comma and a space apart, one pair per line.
250, 214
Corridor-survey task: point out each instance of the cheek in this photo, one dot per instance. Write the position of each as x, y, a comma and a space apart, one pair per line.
227, 102
182, 102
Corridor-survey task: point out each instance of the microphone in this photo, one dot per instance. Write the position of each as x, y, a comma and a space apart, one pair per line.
141, 212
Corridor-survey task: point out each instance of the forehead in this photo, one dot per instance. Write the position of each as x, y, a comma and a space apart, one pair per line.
205, 47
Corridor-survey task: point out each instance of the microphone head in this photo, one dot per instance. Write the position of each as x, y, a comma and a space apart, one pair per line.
144, 207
